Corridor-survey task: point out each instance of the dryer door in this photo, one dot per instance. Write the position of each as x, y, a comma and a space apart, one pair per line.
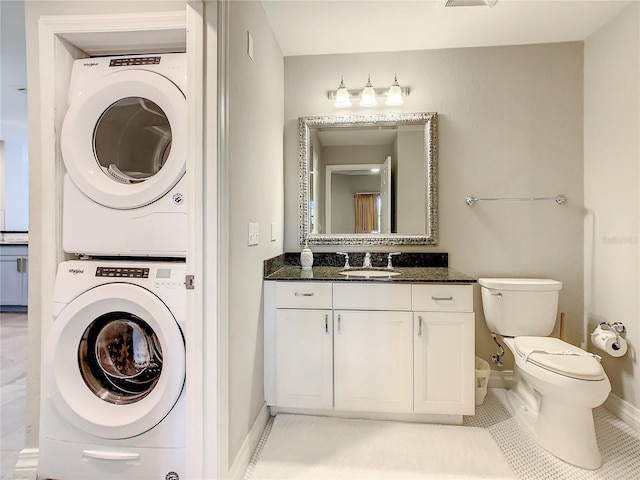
124, 139
114, 363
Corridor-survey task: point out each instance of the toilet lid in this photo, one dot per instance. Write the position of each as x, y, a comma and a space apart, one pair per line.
560, 357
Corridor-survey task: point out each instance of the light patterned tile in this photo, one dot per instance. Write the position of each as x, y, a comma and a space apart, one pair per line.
619, 445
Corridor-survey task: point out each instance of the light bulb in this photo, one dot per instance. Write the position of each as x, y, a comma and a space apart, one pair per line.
394, 97
368, 95
342, 96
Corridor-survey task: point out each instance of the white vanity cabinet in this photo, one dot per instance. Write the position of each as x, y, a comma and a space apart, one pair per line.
370, 349
303, 341
443, 349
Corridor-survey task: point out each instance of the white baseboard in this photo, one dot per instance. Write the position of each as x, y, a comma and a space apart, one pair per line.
500, 379
243, 458
624, 411
27, 465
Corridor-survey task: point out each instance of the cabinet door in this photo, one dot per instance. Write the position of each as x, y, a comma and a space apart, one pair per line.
12, 288
373, 361
304, 367
444, 367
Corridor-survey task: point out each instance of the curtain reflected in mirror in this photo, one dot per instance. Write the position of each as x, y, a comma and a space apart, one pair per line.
367, 212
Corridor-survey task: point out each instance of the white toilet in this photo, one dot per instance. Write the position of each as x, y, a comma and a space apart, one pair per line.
556, 384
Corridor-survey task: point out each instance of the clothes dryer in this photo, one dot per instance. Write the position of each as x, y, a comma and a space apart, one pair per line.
114, 372
124, 146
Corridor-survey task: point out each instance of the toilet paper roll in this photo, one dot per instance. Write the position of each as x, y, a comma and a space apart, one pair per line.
609, 343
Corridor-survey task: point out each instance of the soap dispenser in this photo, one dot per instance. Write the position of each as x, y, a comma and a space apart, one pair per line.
306, 257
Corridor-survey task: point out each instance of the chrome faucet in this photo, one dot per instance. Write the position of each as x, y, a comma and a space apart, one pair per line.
346, 259
389, 265
367, 260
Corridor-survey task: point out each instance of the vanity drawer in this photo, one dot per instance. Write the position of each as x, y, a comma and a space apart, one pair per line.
371, 296
442, 298
303, 295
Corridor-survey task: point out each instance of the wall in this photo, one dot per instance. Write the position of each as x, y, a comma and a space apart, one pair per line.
255, 195
510, 124
14, 169
612, 186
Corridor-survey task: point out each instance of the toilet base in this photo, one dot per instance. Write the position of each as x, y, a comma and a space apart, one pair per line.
566, 431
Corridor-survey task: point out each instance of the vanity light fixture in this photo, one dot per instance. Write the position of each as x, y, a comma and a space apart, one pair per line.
394, 95
368, 95
342, 96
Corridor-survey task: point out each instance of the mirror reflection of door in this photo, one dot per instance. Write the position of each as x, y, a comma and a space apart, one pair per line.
340, 160
357, 188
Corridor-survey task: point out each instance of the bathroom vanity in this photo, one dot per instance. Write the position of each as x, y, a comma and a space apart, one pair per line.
394, 347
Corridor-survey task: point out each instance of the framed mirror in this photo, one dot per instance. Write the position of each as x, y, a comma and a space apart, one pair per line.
368, 180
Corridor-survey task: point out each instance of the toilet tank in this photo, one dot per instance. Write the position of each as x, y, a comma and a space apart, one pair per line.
520, 306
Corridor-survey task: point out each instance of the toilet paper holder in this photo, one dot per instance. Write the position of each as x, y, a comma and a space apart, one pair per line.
616, 327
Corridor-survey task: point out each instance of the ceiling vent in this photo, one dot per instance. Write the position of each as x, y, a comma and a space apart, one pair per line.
471, 3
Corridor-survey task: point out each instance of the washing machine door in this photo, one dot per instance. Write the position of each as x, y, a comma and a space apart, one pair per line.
114, 362
123, 139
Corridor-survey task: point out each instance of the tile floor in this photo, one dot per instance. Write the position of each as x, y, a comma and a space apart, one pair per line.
619, 445
13, 388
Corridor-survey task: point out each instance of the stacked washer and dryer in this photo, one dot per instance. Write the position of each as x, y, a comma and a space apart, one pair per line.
114, 360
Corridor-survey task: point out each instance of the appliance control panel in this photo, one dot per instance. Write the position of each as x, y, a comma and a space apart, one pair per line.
133, 61
127, 272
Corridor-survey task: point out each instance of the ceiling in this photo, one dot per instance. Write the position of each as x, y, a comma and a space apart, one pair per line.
313, 27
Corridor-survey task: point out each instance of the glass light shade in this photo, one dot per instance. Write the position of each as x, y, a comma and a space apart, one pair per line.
342, 96
394, 97
368, 95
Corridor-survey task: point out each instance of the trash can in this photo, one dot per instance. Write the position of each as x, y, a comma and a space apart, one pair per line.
483, 370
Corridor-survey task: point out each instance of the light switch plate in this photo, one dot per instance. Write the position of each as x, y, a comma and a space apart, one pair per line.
254, 233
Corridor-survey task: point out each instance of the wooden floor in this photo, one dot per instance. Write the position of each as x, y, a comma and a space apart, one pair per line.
13, 391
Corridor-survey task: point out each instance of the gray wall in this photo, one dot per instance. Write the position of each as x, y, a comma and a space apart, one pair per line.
410, 182
510, 124
256, 196
612, 190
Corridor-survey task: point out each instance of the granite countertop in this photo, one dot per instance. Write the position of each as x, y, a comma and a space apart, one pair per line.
412, 268
407, 275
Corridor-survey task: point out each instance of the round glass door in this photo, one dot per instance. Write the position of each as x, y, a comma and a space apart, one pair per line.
114, 361
124, 140
120, 358
132, 140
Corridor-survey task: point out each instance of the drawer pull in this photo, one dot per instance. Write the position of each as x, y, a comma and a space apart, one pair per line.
437, 299
298, 294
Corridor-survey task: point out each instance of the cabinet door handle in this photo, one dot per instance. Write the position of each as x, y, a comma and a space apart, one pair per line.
298, 294
18, 265
326, 324
338, 324
436, 299
419, 326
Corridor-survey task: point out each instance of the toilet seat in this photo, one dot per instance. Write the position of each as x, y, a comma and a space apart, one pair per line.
559, 357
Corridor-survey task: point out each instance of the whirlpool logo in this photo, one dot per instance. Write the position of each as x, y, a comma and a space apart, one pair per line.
76, 271
90, 64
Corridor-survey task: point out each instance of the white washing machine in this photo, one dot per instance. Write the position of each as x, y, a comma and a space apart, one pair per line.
124, 145
114, 373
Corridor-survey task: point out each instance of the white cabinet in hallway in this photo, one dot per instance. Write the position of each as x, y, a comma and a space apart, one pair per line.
13, 276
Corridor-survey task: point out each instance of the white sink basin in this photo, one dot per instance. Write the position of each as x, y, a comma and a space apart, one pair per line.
369, 273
